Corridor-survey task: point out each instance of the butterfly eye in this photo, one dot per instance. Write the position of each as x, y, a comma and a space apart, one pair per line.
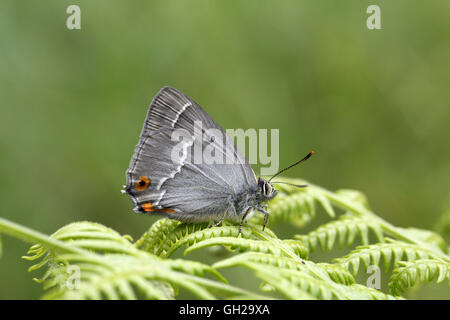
143, 183
267, 189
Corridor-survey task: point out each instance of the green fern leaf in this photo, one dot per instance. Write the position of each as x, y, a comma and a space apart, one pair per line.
345, 230
166, 236
407, 273
296, 280
391, 252
113, 268
242, 245
108, 265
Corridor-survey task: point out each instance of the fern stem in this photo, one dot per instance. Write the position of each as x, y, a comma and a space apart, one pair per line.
31, 236
264, 236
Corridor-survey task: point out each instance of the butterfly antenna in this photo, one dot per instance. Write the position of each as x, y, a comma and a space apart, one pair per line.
291, 184
293, 165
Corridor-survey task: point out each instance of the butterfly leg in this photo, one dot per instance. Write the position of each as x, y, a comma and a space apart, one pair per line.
218, 223
244, 219
229, 212
266, 214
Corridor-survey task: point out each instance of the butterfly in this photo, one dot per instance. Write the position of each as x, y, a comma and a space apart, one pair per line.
163, 177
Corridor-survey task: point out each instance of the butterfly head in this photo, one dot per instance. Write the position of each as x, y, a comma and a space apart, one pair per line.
266, 191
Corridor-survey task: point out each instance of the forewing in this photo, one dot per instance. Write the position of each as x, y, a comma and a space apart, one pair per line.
184, 185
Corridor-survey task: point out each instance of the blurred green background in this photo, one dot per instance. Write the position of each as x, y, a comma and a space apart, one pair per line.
374, 105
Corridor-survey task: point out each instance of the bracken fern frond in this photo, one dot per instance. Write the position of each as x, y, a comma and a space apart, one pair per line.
103, 264
392, 252
345, 230
114, 268
407, 273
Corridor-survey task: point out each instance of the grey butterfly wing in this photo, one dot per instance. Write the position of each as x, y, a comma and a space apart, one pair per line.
172, 108
178, 186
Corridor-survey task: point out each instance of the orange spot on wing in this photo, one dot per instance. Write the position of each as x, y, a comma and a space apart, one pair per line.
148, 207
167, 210
143, 183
